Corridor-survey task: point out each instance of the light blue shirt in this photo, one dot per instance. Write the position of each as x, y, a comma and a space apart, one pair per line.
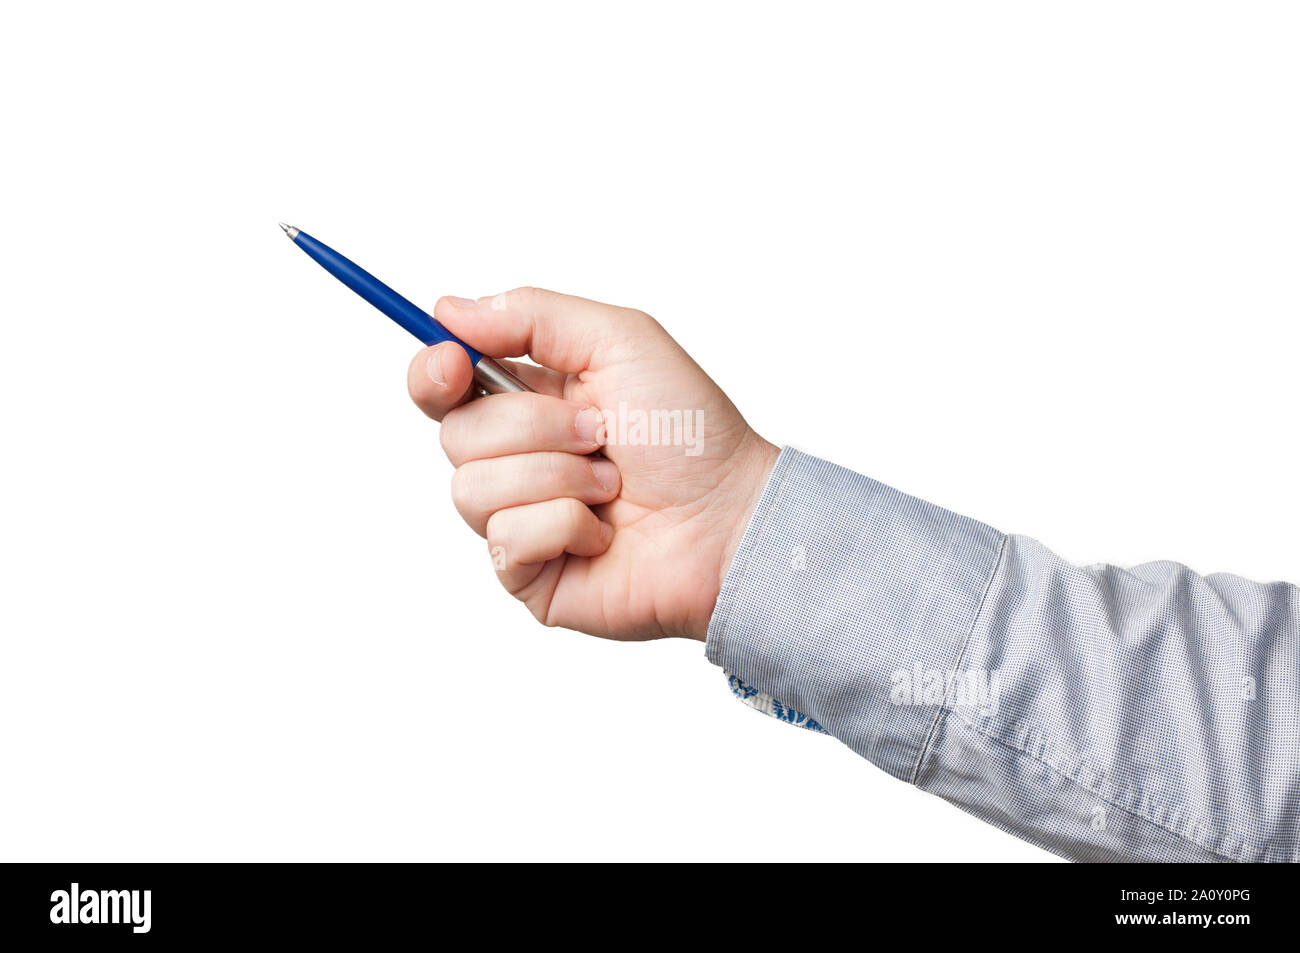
1104, 714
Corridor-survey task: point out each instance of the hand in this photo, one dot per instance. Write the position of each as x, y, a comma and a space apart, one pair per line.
631, 545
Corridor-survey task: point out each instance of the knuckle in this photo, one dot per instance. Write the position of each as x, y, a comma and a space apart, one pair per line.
462, 489
498, 530
640, 321
448, 434
523, 299
574, 512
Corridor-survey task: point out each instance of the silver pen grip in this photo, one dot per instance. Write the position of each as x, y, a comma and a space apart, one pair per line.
495, 379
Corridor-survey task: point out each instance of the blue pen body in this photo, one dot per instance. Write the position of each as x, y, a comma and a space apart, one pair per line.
414, 319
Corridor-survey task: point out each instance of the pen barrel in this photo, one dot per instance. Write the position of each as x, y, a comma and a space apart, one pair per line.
382, 297
495, 379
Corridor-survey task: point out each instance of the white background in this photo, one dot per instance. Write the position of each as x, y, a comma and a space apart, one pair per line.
1035, 262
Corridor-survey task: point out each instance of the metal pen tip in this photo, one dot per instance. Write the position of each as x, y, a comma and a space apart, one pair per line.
289, 230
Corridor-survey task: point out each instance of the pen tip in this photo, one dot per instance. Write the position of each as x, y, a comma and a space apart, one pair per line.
289, 230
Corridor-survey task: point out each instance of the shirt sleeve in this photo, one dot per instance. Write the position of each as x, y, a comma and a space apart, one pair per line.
1104, 714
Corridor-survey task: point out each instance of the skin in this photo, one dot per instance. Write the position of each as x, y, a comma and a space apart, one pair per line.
630, 545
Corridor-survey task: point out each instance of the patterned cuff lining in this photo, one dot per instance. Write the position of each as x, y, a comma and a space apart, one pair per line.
762, 701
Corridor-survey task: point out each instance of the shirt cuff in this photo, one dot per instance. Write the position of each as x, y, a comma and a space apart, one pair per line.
843, 590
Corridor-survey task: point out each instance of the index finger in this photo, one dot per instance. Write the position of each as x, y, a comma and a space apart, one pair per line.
558, 331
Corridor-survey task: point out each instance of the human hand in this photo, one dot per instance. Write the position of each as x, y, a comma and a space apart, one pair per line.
631, 545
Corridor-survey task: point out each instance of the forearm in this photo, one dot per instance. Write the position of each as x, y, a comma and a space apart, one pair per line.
1101, 713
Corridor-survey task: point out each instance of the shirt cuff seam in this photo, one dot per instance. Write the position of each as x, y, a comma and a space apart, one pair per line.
961, 656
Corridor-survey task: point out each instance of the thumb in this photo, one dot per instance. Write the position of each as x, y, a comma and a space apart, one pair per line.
557, 331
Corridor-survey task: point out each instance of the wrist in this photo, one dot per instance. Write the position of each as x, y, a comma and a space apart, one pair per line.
754, 461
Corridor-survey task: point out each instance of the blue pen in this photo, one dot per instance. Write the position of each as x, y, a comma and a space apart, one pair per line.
489, 375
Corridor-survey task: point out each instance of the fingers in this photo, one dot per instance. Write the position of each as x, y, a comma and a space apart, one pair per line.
559, 331
482, 487
520, 423
523, 536
565, 334
439, 378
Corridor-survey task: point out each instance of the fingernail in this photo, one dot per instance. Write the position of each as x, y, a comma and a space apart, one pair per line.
456, 302
606, 533
606, 473
433, 366
591, 426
